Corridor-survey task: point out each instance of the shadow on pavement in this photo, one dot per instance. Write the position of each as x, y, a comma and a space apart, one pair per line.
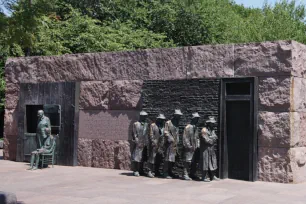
127, 174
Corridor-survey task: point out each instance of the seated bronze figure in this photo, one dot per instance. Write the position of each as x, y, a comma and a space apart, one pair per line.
48, 147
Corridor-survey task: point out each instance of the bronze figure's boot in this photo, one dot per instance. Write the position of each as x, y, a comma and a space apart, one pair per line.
213, 176
32, 162
36, 162
150, 173
136, 169
204, 174
186, 167
166, 170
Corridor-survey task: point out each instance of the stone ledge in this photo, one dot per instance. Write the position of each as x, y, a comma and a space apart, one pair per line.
263, 59
211, 61
21, 70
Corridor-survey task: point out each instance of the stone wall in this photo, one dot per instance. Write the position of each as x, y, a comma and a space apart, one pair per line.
111, 84
107, 111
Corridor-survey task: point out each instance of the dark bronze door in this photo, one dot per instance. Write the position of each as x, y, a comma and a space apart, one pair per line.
60, 103
239, 129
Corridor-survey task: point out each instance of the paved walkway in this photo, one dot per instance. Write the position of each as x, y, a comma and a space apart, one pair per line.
92, 185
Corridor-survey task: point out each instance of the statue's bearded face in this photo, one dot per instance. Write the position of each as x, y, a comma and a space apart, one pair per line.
40, 114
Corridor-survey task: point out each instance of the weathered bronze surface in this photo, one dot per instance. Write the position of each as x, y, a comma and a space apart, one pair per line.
43, 123
171, 142
48, 147
190, 144
156, 143
140, 140
208, 151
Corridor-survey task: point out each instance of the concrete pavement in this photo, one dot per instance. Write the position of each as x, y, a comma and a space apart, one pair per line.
92, 185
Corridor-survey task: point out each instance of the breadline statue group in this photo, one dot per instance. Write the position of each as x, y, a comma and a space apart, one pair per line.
160, 140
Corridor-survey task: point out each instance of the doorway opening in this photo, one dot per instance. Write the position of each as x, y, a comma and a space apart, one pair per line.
238, 143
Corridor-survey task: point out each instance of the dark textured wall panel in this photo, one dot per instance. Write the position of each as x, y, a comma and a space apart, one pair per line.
194, 95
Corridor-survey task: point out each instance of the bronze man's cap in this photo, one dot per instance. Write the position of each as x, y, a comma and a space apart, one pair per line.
195, 115
178, 112
161, 116
143, 113
211, 119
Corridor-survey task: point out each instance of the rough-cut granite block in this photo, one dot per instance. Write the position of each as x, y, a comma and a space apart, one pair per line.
108, 125
168, 63
94, 95
21, 70
10, 122
211, 61
274, 165
111, 154
130, 65
298, 59
85, 152
11, 95
298, 164
263, 59
274, 93
125, 95
298, 129
298, 94
274, 129
78, 67
10, 147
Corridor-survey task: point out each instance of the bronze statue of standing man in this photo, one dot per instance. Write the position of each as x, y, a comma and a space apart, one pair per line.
140, 139
171, 142
207, 149
156, 143
190, 143
43, 123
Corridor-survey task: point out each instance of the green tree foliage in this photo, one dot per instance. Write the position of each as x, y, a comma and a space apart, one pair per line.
54, 27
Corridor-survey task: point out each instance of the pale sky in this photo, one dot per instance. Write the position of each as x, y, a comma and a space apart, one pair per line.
259, 3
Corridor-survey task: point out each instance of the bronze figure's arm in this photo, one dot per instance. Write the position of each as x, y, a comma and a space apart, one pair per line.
168, 135
206, 138
135, 136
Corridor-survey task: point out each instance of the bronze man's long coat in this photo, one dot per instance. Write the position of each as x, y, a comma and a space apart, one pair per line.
140, 131
156, 142
171, 141
40, 131
190, 141
207, 148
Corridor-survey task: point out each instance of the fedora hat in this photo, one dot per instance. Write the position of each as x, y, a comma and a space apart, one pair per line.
161, 116
178, 112
195, 115
211, 119
143, 113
